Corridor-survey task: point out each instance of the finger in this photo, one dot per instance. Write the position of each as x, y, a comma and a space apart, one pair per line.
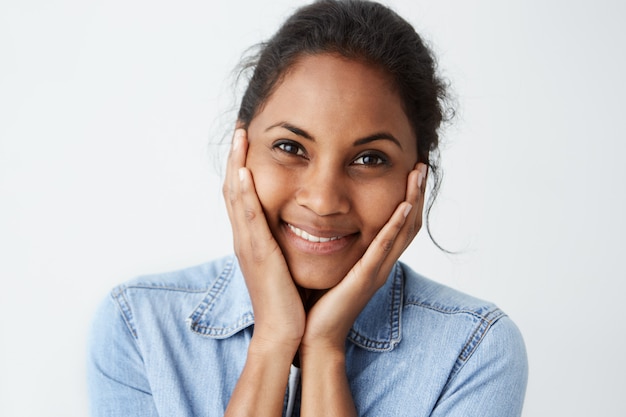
416, 185
394, 237
419, 206
273, 293
252, 236
368, 268
351, 294
236, 160
250, 216
348, 298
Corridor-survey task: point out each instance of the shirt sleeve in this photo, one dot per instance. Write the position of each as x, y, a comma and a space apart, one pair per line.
116, 376
492, 381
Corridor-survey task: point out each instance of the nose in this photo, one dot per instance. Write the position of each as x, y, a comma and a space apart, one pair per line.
324, 192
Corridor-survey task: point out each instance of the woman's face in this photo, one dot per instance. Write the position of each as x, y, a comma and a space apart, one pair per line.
330, 152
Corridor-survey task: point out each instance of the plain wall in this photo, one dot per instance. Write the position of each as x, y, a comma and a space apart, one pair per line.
107, 114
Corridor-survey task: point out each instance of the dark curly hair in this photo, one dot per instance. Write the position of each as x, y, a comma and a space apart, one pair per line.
366, 31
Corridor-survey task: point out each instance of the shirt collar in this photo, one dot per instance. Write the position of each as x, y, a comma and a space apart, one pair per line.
226, 309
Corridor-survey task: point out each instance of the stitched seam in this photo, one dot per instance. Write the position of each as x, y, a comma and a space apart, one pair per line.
396, 312
444, 311
214, 291
473, 343
367, 343
485, 321
395, 323
224, 332
477, 336
124, 307
165, 287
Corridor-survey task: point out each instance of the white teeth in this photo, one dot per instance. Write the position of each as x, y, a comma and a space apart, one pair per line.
311, 238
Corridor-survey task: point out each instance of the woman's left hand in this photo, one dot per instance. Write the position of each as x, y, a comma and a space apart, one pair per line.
332, 315
325, 386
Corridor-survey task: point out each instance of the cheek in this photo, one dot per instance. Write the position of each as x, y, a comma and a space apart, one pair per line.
377, 205
269, 192
269, 185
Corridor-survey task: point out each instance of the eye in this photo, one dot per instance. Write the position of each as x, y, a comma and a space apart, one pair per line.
290, 147
371, 159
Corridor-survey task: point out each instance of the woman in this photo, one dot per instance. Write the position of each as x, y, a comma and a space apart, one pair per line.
336, 135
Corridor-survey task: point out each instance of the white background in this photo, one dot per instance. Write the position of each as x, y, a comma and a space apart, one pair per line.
108, 110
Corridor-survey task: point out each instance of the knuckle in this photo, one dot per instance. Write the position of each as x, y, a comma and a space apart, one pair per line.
249, 214
258, 257
386, 245
230, 194
261, 253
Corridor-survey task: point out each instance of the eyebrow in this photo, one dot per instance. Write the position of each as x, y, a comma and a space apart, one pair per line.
293, 129
377, 136
362, 141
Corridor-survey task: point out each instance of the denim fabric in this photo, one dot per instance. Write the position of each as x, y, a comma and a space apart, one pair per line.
174, 344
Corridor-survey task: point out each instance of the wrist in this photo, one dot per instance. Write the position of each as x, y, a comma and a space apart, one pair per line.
333, 345
326, 356
275, 349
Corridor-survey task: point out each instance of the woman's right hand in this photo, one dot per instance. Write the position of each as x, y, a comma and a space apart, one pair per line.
278, 310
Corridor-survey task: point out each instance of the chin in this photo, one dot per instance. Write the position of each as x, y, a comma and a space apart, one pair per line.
316, 277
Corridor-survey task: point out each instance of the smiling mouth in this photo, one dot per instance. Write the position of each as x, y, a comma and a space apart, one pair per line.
309, 237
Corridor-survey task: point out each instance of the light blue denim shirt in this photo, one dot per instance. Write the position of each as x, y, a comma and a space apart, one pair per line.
174, 344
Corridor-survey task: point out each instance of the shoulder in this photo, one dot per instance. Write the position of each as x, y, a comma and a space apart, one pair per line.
151, 335
174, 294
459, 352
192, 279
426, 298
426, 293
447, 314
485, 337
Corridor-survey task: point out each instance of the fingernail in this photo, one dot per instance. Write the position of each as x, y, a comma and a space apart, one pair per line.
237, 139
423, 170
407, 210
241, 173
420, 178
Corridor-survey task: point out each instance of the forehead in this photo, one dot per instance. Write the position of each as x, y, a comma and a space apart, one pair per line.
327, 92
339, 74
